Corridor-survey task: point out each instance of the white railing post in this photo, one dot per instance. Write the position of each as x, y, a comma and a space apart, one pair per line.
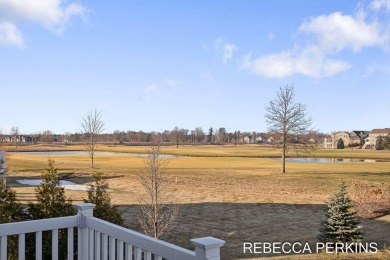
207, 248
84, 210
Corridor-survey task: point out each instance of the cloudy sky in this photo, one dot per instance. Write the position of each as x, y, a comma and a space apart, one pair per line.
152, 65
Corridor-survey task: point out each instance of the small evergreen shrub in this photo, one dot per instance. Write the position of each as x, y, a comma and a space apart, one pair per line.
341, 224
98, 194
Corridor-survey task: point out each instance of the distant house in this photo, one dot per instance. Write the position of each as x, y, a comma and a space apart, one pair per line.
373, 135
6, 138
328, 142
25, 139
354, 140
349, 138
19, 138
247, 140
259, 139
270, 140
344, 135
360, 134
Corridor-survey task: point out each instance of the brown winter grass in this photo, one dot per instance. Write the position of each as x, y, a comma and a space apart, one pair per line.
232, 194
247, 150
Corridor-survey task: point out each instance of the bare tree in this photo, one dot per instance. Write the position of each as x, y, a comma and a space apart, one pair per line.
15, 135
120, 136
177, 135
199, 134
67, 137
158, 207
287, 118
92, 126
47, 136
36, 137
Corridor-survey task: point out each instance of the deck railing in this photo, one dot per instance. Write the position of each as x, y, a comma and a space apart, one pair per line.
101, 240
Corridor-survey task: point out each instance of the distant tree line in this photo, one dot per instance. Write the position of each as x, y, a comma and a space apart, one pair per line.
176, 136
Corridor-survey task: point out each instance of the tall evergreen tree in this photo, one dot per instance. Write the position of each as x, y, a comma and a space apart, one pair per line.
210, 136
379, 143
51, 199
386, 142
340, 144
341, 224
98, 195
10, 211
51, 203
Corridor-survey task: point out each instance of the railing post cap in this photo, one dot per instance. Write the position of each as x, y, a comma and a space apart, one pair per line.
85, 206
207, 242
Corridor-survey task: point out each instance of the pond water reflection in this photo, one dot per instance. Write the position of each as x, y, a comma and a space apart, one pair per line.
297, 159
49, 153
326, 160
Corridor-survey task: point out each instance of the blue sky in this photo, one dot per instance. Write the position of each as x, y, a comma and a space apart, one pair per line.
152, 65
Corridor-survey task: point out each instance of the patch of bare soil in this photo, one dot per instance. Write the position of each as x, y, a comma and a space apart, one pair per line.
237, 223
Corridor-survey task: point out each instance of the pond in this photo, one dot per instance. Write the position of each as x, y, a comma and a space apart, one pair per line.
49, 153
68, 185
327, 160
297, 159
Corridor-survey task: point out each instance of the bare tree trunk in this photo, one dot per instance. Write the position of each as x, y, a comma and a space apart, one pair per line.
92, 160
284, 140
284, 155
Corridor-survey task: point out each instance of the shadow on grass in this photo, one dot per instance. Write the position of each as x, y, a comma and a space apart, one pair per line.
253, 222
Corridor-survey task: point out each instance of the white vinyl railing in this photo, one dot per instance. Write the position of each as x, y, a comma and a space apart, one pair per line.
101, 240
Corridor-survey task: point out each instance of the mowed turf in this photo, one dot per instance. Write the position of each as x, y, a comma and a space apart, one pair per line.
232, 193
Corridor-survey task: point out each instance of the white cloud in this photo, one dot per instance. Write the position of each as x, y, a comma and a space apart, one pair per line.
10, 35
328, 35
224, 49
332, 67
379, 4
228, 49
273, 65
54, 15
286, 64
336, 32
